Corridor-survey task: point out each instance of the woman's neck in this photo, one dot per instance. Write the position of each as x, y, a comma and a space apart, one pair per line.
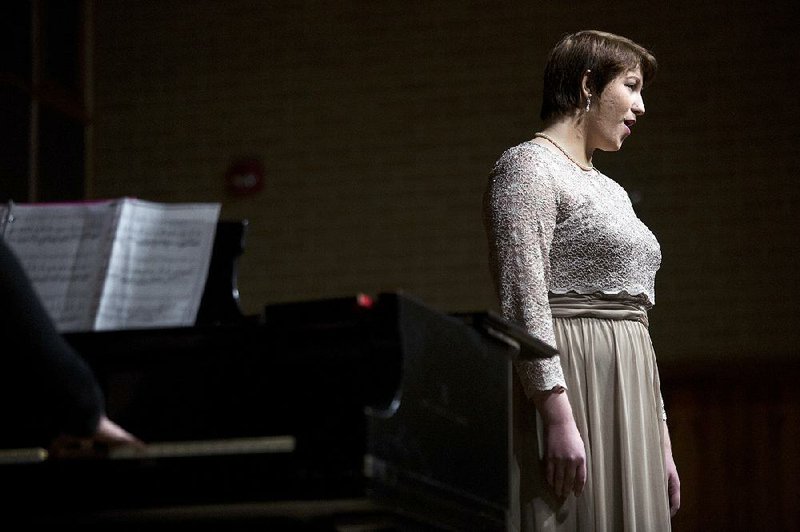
570, 137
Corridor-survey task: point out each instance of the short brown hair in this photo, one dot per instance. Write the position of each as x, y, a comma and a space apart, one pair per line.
605, 54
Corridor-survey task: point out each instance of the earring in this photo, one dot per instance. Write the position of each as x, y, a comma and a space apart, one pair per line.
588, 102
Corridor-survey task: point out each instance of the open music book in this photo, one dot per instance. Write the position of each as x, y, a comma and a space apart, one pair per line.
114, 264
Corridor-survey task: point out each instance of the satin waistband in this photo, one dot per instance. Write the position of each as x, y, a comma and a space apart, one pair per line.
593, 306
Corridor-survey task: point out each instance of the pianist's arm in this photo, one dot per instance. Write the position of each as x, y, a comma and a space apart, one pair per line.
46, 389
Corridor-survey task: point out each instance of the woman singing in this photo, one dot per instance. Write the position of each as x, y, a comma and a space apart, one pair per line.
576, 267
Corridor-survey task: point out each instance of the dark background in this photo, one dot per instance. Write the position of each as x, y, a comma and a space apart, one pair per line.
377, 124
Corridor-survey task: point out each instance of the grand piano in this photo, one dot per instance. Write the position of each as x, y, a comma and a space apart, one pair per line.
364, 412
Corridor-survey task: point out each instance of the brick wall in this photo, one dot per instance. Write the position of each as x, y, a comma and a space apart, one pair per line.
378, 122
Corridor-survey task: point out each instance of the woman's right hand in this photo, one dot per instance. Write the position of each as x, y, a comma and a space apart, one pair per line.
564, 454
565, 459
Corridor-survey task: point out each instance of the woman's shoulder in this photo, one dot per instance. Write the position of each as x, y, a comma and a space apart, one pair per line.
528, 161
524, 153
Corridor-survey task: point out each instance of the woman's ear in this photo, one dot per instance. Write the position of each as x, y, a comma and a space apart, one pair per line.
586, 91
586, 85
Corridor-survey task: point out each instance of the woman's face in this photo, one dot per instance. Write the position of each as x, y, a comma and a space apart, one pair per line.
613, 114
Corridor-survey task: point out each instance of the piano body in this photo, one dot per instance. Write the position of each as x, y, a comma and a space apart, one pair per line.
379, 413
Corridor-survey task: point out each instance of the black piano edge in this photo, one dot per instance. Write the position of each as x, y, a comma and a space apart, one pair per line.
387, 499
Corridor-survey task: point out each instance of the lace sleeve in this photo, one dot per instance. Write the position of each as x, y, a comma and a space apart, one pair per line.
520, 207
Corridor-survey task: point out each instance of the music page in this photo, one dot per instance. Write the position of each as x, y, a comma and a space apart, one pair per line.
63, 248
158, 265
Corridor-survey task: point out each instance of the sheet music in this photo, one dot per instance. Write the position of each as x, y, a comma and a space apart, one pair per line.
62, 249
158, 266
114, 264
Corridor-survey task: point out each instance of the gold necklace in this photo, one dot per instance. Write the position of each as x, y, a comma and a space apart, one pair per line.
562, 150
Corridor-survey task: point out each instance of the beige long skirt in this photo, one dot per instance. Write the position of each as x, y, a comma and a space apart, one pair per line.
613, 387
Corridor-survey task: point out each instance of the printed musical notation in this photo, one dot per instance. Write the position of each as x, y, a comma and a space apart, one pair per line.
115, 264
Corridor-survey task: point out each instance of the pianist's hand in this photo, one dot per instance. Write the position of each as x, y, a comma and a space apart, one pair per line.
107, 436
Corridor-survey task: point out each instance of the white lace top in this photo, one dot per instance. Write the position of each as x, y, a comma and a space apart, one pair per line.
556, 228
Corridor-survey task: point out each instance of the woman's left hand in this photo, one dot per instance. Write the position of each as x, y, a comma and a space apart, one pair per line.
673, 482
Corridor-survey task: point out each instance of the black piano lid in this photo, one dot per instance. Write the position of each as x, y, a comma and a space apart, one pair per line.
504, 330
